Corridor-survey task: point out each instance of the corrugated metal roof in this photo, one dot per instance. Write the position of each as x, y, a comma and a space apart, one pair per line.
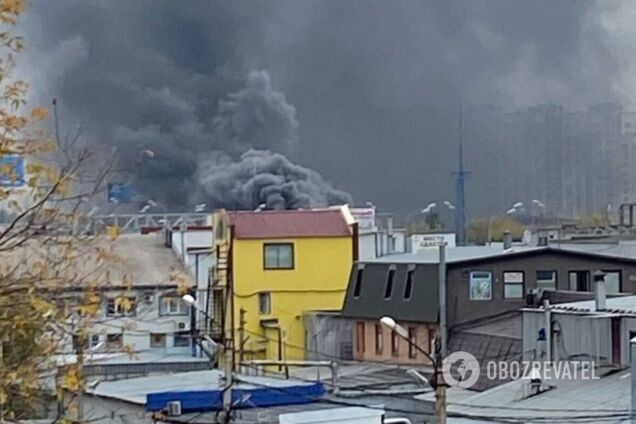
134, 390
289, 223
601, 398
613, 305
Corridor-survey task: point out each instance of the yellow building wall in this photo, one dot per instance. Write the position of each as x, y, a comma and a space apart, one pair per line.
318, 281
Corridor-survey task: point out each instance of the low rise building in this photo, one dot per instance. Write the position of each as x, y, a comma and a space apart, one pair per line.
271, 267
596, 330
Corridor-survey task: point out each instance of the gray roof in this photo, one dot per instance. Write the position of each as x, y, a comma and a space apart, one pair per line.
134, 390
600, 398
623, 251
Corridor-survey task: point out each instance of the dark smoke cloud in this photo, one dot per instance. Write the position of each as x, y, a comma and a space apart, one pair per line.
264, 178
376, 84
240, 177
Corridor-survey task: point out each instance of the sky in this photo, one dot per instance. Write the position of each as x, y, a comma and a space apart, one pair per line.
355, 100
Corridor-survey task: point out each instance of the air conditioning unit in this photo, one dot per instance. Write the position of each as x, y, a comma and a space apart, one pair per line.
181, 326
534, 297
174, 408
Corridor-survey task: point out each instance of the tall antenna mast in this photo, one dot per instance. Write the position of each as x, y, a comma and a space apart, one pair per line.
460, 185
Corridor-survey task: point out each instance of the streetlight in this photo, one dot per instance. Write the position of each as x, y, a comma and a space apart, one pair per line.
429, 207
438, 382
541, 206
227, 390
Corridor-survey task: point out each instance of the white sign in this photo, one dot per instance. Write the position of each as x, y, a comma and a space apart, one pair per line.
431, 241
365, 217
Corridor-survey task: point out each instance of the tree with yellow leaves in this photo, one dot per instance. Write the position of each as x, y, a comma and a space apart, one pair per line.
46, 185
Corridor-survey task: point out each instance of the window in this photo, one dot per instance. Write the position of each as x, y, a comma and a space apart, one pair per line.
513, 284
395, 344
89, 342
157, 339
388, 289
480, 285
408, 286
379, 339
613, 281
278, 255
172, 305
181, 339
358, 286
579, 280
360, 337
264, 303
546, 280
121, 306
114, 341
412, 343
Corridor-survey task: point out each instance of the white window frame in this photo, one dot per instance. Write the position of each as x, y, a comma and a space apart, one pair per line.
542, 283
261, 297
118, 310
474, 280
172, 305
513, 278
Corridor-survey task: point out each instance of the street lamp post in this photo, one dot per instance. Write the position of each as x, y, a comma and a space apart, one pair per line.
438, 381
541, 207
227, 390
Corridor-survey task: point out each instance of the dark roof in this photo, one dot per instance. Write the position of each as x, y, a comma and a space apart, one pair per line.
371, 303
289, 223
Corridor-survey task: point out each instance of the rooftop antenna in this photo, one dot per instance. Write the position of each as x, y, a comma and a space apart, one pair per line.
461, 175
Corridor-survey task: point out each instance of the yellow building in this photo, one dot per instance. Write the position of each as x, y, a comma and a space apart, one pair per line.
271, 267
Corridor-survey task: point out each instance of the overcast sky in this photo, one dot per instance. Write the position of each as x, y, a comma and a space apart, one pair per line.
375, 85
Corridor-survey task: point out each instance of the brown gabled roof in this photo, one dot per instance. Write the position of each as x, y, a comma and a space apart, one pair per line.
289, 223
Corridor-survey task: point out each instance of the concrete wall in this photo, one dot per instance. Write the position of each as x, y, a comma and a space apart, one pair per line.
369, 352
462, 309
581, 337
375, 244
328, 337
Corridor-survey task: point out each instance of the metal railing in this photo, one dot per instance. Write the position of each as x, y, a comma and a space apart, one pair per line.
136, 222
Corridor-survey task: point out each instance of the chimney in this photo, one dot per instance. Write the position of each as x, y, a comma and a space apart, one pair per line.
507, 240
600, 291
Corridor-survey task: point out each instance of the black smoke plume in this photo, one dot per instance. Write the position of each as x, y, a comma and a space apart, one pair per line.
244, 176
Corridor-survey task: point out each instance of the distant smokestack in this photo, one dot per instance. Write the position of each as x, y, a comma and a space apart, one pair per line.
507, 240
600, 291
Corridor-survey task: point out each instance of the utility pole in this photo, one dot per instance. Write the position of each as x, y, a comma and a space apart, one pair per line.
440, 386
228, 342
79, 351
440, 350
442, 298
461, 175
241, 335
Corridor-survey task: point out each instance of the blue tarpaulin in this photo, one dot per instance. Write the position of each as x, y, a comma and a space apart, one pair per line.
121, 193
212, 400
